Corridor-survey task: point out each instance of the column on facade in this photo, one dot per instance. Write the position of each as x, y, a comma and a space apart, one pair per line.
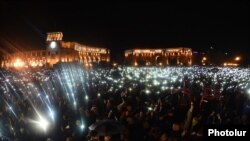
178, 61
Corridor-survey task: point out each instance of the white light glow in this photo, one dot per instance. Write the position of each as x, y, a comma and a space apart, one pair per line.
53, 44
82, 126
42, 123
248, 91
18, 63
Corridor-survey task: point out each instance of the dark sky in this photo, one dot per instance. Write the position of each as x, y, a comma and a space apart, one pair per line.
124, 25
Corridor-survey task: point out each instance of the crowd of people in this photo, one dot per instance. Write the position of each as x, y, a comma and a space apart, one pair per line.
150, 103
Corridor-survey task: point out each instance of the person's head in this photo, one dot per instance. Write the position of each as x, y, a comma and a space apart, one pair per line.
129, 108
146, 125
87, 113
244, 119
49, 139
93, 133
65, 116
155, 132
93, 109
176, 127
107, 138
130, 121
81, 110
69, 139
164, 137
109, 103
127, 113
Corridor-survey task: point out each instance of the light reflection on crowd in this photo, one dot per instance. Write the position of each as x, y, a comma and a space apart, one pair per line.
152, 103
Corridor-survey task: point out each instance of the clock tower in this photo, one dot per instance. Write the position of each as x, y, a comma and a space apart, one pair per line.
54, 41
53, 47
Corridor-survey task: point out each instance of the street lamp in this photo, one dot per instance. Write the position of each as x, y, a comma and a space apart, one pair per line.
18, 63
204, 59
237, 58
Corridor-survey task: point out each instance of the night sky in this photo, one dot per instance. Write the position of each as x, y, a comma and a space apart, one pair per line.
124, 25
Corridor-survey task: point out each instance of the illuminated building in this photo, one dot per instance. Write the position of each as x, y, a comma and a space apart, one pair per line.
56, 51
161, 57
230, 64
